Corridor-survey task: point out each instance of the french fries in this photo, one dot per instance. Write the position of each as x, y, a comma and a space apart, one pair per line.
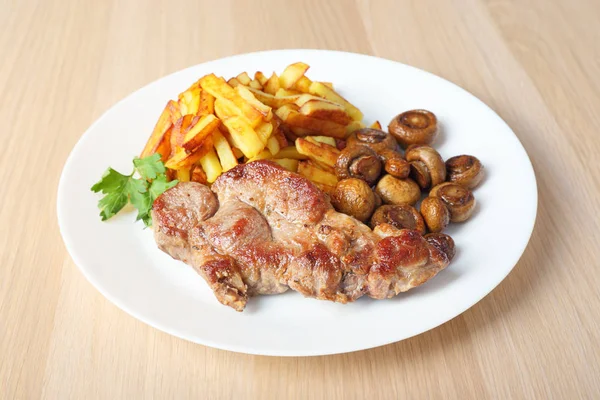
315, 174
320, 153
211, 166
375, 125
216, 124
160, 139
291, 74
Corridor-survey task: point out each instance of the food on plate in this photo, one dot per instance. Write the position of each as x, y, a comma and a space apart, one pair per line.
358, 162
376, 139
264, 183
401, 216
354, 197
427, 167
435, 213
459, 200
464, 170
398, 191
414, 127
261, 229
442, 242
119, 189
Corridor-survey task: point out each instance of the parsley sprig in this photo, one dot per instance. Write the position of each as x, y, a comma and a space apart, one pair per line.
119, 189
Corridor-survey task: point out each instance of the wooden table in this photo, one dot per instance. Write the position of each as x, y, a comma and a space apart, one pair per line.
536, 62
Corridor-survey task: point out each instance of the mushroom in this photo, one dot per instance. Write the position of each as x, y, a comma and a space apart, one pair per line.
376, 139
458, 199
354, 197
435, 213
398, 191
464, 170
395, 164
414, 127
427, 167
443, 243
400, 216
358, 162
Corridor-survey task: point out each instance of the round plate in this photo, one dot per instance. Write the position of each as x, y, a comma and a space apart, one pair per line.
121, 260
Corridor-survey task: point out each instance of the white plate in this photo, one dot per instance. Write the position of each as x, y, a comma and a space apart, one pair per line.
120, 258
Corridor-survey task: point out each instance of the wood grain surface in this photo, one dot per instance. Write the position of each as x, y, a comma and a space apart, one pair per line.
536, 62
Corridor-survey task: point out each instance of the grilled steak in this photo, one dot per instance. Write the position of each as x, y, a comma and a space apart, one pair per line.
262, 230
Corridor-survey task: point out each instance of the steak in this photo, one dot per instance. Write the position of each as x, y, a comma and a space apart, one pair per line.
261, 229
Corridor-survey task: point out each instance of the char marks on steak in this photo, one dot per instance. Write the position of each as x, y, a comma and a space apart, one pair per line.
262, 230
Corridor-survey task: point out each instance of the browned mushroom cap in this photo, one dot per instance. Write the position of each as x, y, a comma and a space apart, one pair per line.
435, 213
374, 138
442, 242
427, 167
464, 170
395, 164
358, 162
414, 127
400, 216
458, 199
398, 191
354, 197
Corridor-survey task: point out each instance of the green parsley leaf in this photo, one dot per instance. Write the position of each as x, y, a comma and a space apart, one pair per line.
159, 186
111, 181
149, 167
141, 193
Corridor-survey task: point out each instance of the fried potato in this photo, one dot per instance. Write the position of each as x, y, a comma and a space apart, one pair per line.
174, 110
302, 132
243, 78
264, 131
226, 109
247, 95
189, 101
288, 163
182, 159
211, 166
224, 151
290, 152
321, 153
220, 89
273, 145
303, 84
375, 125
160, 139
259, 76
207, 103
291, 74
318, 89
315, 174
255, 84
318, 126
272, 85
243, 136
181, 127
199, 131
237, 152
233, 82
198, 175
322, 139
272, 101
263, 155
306, 97
354, 126
327, 189
278, 132
286, 93
325, 110
328, 84
183, 175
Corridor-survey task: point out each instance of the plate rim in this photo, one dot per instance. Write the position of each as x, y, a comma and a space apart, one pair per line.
245, 349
